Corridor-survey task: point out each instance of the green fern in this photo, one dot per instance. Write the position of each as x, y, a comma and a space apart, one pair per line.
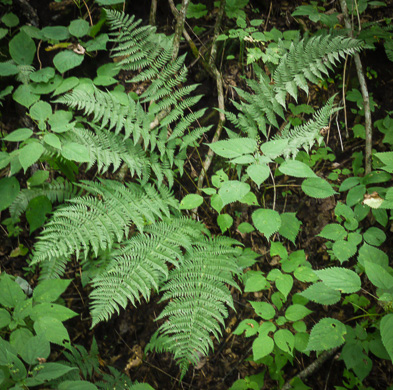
198, 297
58, 190
88, 224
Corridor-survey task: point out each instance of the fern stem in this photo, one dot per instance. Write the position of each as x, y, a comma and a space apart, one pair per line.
364, 90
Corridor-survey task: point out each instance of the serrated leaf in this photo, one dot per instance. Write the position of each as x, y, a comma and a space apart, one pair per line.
264, 310
341, 279
191, 201
344, 250
322, 294
290, 226
284, 284
54, 310
273, 149
52, 140
233, 148
43, 75
333, 231
258, 173
232, 191
296, 312
266, 221
224, 221
52, 330
285, 340
29, 154
9, 190
66, 60
305, 274
386, 329
19, 135
255, 281
50, 290
367, 252
296, 169
75, 152
374, 236
316, 187
262, 346
328, 333
378, 276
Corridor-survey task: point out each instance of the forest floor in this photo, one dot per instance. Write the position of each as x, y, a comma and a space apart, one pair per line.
122, 340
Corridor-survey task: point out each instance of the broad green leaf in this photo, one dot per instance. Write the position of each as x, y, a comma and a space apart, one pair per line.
344, 250
328, 333
66, 60
8, 69
99, 43
25, 96
341, 279
38, 178
264, 310
50, 371
19, 337
216, 203
18, 371
273, 149
378, 276
37, 347
387, 159
50, 290
29, 154
84, 385
316, 187
266, 221
3, 33
255, 281
5, 318
10, 292
45, 88
52, 140
285, 340
224, 221
245, 228
387, 333
233, 148
258, 173
52, 330
36, 212
322, 294
109, 2
22, 49
284, 284
111, 70
75, 152
290, 226
356, 195
367, 252
41, 111
19, 135
191, 201
10, 19
196, 11
296, 312
78, 28
42, 75
250, 199
232, 191
57, 33
349, 183
374, 236
66, 85
262, 346
9, 190
296, 169
250, 327
334, 232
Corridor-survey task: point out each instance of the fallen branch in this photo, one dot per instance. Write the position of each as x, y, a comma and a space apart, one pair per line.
312, 368
364, 90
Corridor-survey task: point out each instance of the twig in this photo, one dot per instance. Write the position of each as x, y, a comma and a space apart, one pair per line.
364, 90
180, 20
153, 12
312, 368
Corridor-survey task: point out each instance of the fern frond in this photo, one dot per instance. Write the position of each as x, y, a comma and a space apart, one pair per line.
94, 224
306, 135
58, 190
140, 265
198, 298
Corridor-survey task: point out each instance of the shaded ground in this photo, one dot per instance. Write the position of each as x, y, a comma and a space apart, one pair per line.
122, 340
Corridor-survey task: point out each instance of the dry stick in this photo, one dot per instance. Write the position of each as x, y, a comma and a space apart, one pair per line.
180, 20
364, 90
313, 367
153, 12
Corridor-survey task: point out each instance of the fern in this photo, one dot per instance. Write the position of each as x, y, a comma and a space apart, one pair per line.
94, 224
307, 60
198, 298
58, 190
